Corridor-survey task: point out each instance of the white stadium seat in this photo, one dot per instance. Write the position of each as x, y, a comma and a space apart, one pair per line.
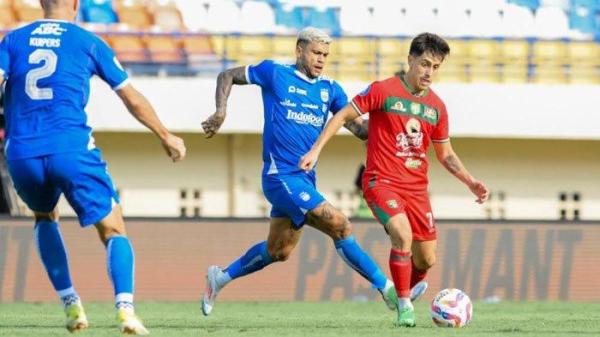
551, 23
257, 17
223, 17
518, 22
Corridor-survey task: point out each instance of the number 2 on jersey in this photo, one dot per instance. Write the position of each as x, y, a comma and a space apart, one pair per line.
34, 75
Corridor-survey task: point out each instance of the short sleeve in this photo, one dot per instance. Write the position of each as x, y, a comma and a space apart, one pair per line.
369, 100
440, 132
340, 99
108, 67
4, 58
261, 74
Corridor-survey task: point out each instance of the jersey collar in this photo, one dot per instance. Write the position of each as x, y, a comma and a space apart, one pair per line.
410, 89
304, 77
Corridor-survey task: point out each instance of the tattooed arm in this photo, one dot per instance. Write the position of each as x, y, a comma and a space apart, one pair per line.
449, 159
225, 81
359, 127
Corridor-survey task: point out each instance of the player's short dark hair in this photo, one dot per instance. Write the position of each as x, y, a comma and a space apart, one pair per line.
428, 42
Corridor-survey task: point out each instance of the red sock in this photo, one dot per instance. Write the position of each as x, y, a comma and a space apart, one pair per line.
416, 275
400, 268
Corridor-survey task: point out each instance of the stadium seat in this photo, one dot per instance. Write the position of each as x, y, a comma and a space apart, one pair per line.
551, 23
284, 47
324, 18
28, 10
194, 14
459, 51
257, 17
514, 52
583, 19
134, 14
484, 73
7, 15
164, 49
549, 74
289, 16
514, 73
355, 18
530, 4
223, 17
451, 71
583, 53
352, 70
128, 48
389, 21
483, 51
419, 19
517, 22
254, 48
549, 52
485, 22
392, 48
167, 17
584, 74
453, 21
196, 45
361, 49
562, 4
98, 11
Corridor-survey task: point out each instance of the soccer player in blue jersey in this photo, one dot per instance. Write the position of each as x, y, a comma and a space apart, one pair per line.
297, 100
47, 66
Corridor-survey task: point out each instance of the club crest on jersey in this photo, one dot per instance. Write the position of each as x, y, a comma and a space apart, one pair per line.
305, 196
392, 203
398, 106
324, 95
415, 108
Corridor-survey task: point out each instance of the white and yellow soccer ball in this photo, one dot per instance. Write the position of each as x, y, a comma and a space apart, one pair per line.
451, 308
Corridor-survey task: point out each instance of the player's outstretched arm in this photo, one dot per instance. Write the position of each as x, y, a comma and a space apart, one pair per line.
359, 127
449, 159
225, 81
309, 160
143, 111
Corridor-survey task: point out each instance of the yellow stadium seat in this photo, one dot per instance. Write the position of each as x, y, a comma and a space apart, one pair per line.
514, 52
352, 70
218, 44
167, 17
459, 52
549, 52
584, 74
451, 71
164, 49
284, 48
357, 48
129, 48
483, 51
549, 74
135, 15
587, 53
514, 73
254, 48
387, 68
197, 45
392, 48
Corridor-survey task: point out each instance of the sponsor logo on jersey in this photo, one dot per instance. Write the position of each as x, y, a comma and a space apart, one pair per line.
293, 90
304, 196
49, 28
305, 118
288, 103
415, 108
398, 106
325, 95
392, 203
412, 163
430, 113
324, 108
309, 106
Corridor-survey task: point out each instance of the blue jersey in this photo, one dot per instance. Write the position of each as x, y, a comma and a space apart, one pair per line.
295, 109
48, 65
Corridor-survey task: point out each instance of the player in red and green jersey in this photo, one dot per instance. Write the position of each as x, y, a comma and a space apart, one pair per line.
405, 117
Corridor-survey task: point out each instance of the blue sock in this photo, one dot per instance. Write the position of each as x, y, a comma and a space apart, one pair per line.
53, 254
360, 261
256, 258
120, 262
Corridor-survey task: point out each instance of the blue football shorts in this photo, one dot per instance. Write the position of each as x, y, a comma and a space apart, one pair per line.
82, 176
292, 195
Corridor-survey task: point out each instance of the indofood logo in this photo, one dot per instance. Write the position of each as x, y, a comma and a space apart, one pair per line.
304, 118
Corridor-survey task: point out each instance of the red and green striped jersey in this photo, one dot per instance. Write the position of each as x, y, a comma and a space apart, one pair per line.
401, 126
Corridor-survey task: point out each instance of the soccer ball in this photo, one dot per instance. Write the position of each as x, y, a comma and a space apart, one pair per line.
451, 308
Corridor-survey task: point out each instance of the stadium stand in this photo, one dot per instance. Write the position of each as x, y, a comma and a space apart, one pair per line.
548, 41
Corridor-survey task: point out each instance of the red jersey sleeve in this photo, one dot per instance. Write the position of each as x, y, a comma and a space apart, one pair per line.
440, 132
369, 100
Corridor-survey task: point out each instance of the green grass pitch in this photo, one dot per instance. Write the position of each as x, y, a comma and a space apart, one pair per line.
309, 319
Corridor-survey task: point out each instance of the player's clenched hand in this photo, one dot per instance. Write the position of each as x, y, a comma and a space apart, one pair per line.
212, 124
174, 147
309, 160
480, 190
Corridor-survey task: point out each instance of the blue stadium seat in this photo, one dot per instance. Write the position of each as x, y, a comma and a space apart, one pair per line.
98, 11
289, 16
531, 4
324, 18
583, 21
